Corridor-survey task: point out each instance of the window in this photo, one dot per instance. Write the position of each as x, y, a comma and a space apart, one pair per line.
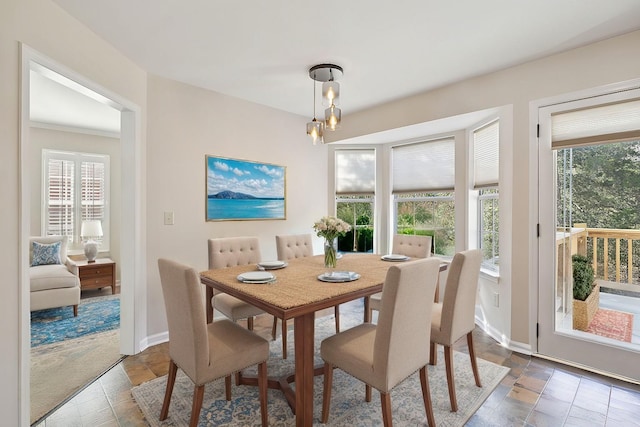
423, 184
485, 181
355, 191
76, 188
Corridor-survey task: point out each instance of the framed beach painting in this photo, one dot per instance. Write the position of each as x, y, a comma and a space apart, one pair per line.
244, 190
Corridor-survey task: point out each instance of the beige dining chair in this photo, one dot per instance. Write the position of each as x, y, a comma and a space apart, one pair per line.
228, 252
205, 352
407, 245
455, 316
384, 355
290, 247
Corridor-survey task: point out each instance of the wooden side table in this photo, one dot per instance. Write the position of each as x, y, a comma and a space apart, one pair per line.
98, 274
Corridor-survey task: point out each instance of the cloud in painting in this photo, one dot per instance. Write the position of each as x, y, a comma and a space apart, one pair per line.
255, 179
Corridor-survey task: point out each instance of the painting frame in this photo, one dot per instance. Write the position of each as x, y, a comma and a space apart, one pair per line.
244, 190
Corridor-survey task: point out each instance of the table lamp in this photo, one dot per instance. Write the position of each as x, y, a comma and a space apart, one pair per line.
90, 230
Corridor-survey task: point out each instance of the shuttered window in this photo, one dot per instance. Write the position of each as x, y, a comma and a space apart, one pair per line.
76, 189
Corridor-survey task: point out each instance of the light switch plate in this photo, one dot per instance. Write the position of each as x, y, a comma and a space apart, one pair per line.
168, 218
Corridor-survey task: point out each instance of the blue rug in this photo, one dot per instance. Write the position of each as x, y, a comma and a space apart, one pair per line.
58, 324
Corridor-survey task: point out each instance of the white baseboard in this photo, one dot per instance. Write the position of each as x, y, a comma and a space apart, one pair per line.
152, 340
505, 341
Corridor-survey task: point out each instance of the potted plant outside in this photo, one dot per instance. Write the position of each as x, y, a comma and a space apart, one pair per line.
586, 293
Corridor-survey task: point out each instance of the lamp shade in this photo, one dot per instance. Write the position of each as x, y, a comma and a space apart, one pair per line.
91, 228
330, 93
315, 130
332, 117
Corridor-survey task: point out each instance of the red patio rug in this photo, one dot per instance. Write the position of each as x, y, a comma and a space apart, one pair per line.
612, 324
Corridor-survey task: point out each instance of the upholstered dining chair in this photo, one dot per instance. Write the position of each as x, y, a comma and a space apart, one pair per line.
384, 355
205, 352
455, 316
228, 252
407, 245
290, 247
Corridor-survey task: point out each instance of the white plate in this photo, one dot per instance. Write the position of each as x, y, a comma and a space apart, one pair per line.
394, 257
339, 276
256, 277
272, 265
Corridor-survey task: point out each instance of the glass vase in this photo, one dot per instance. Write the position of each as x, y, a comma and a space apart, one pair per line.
330, 253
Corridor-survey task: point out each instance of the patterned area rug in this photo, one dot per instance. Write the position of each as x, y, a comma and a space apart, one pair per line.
95, 315
348, 407
69, 352
612, 324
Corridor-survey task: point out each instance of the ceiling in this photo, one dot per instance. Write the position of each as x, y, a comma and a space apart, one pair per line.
261, 51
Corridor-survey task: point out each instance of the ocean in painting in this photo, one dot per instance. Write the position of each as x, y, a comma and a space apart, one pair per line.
245, 209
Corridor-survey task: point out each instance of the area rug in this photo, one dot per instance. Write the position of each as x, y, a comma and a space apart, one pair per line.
58, 324
61, 369
348, 407
612, 324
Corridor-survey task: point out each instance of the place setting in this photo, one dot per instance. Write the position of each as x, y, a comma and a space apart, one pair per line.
271, 265
256, 277
338, 276
395, 257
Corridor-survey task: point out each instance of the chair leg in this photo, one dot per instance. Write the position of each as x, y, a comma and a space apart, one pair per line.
198, 396
262, 385
433, 354
273, 328
250, 323
227, 387
75, 310
426, 396
326, 395
284, 339
448, 360
336, 310
472, 355
171, 380
367, 393
385, 400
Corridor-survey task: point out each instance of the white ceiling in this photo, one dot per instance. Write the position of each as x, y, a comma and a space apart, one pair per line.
261, 50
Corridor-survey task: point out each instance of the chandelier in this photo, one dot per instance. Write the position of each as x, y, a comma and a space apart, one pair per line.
328, 74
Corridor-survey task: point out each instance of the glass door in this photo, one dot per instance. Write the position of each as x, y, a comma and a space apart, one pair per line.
589, 215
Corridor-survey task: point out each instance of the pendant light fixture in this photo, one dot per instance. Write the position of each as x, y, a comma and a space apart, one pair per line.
315, 129
328, 74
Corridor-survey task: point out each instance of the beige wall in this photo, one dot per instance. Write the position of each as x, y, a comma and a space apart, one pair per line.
40, 139
187, 123
607, 62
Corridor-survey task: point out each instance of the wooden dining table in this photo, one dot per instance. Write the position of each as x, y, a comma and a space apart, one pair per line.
298, 294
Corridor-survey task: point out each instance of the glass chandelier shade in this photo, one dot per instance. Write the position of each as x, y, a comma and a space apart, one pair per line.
315, 130
330, 93
332, 117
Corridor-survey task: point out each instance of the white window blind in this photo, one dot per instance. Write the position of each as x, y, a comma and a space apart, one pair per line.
60, 196
424, 167
486, 156
76, 189
604, 123
355, 171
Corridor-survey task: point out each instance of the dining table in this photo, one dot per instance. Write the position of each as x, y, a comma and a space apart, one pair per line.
298, 293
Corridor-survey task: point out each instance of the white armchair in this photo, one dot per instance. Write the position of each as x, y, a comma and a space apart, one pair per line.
53, 284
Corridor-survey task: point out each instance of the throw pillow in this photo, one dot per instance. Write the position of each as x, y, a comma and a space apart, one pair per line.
45, 254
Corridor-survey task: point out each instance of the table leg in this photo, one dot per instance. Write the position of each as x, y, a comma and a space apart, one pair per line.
209, 295
304, 349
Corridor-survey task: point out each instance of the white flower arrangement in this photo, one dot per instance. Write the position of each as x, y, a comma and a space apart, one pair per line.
331, 227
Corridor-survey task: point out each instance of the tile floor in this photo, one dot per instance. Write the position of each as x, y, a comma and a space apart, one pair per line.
536, 392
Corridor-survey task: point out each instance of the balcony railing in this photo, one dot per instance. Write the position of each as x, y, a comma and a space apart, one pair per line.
615, 253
